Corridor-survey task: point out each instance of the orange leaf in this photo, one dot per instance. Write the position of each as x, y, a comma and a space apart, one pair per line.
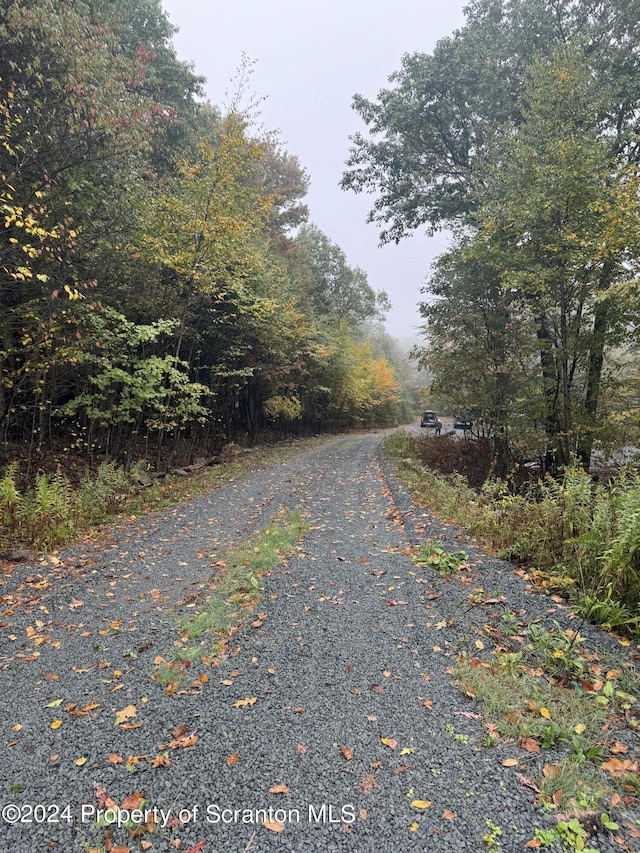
232, 759
273, 825
619, 748
301, 749
535, 842
160, 761
389, 741
279, 789
115, 759
510, 762
447, 814
619, 768
132, 801
530, 745
347, 752
546, 713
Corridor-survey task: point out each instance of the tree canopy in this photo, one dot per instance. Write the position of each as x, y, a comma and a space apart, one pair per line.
157, 285
519, 133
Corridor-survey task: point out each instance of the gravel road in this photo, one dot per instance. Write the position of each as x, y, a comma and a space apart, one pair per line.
355, 640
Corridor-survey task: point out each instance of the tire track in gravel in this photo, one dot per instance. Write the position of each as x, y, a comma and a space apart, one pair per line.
356, 639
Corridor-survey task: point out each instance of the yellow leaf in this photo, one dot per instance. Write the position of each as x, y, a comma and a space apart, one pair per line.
510, 762
407, 750
56, 724
415, 826
479, 644
81, 761
421, 804
242, 703
125, 714
544, 712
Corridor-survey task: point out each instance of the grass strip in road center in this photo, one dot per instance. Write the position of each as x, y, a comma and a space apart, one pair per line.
234, 594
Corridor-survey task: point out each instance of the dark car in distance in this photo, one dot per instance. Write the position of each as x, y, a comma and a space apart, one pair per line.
462, 422
428, 419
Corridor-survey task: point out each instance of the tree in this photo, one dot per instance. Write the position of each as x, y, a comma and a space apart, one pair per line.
337, 289
524, 121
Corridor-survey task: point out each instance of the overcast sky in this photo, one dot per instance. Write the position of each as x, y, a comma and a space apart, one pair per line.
311, 57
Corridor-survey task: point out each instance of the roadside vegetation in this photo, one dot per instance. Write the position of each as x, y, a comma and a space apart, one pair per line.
573, 534
53, 512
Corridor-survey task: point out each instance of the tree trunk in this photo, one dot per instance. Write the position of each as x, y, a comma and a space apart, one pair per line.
596, 361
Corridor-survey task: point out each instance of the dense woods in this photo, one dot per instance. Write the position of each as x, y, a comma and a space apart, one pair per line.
520, 134
162, 291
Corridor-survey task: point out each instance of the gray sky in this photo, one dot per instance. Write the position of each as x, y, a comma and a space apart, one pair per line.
311, 57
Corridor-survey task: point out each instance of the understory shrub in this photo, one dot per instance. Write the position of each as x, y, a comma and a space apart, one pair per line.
576, 534
50, 512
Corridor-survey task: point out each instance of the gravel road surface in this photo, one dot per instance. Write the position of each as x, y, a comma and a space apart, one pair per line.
355, 646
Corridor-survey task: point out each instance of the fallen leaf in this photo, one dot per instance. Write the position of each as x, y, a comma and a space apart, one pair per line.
125, 714
619, 748
421, 804
132, 801
619, 768
242, 703
415, 826
389, 741
273, 825
510, 762
347, 752
115, 759
232, 759
407, 750
544, 712
368, 783
279, 789
301, 749
535, 843
56, 724
530, 745
160, 761
80, 761
447, 814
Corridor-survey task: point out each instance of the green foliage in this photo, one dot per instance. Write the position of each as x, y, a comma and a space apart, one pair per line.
51, 513
516, 133
576, 535
435, 557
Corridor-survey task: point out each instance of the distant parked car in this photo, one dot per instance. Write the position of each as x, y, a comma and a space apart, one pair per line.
462, 422
428, 419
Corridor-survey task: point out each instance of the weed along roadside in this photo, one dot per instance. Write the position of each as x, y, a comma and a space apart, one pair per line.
305, 658
553, 693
